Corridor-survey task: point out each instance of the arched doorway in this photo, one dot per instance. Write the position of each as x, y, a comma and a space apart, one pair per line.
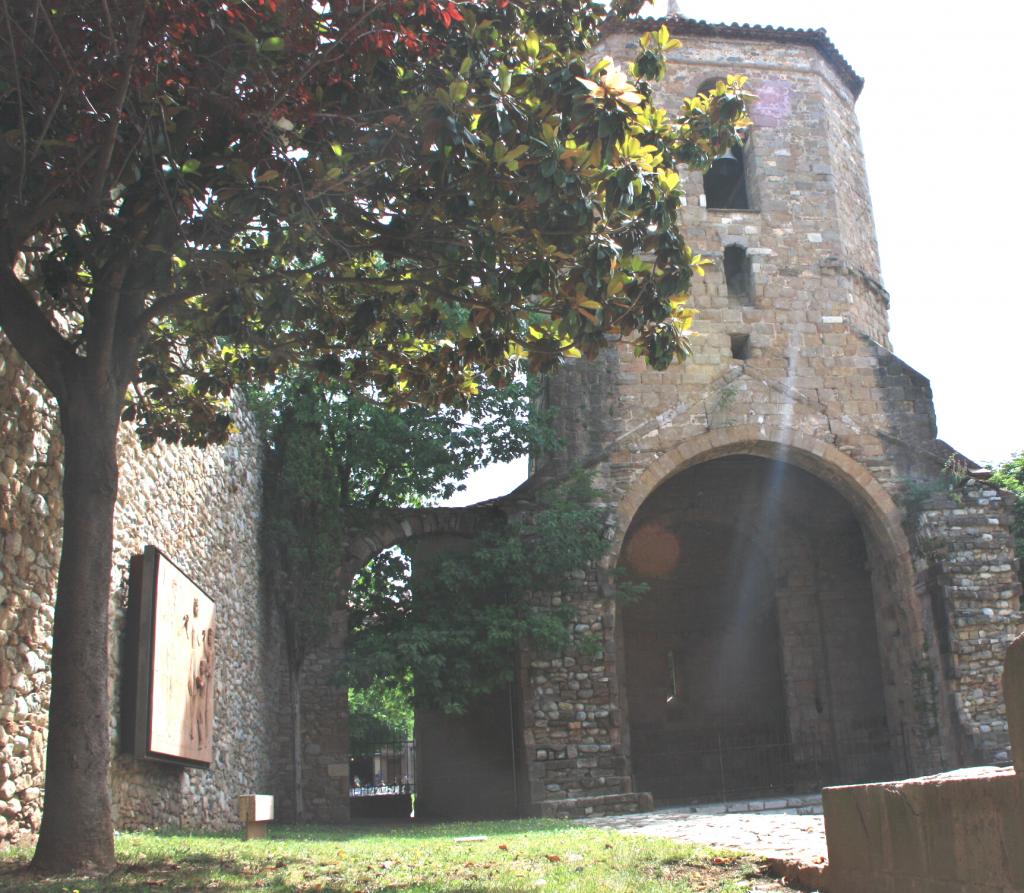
752, 661
453, 755
423, 740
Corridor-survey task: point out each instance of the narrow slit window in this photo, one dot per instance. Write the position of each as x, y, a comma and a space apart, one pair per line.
740, 344
725, 183
736, 264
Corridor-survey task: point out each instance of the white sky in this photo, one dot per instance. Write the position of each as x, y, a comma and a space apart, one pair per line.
940, 119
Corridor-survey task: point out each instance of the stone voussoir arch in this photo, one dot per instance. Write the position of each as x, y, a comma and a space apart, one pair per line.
872, 503
384, 528
324, 737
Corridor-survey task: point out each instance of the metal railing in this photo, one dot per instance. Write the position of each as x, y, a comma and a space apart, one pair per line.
727, 767
383, 769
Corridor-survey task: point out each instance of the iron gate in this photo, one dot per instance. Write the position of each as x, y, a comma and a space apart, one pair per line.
727, 767
383, 780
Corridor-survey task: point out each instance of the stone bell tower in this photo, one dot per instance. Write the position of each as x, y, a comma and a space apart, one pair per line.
829, 591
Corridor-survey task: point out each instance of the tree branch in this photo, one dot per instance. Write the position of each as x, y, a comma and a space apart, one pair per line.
110, 137
21, 319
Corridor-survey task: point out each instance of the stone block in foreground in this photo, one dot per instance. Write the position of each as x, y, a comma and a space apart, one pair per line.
958, 832
1013, 691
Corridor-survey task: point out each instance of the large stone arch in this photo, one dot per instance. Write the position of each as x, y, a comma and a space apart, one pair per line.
874, 504
912, 694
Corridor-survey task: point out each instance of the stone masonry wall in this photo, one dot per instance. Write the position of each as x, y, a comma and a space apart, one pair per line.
966, 558
857, 260
30, 518
573, 731
202, 508
816, 386
325, 779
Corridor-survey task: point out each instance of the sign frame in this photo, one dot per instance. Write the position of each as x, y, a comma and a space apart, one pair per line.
145, 673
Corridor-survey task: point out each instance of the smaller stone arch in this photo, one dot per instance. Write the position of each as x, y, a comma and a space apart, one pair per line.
325, 773
384, 528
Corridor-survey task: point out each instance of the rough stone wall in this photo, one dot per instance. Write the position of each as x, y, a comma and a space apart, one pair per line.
810, 302
31, 513
572, 732
966, 560
202, 508
325, 769
857, 260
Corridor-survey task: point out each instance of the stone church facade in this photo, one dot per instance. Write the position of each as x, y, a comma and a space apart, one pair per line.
829, 591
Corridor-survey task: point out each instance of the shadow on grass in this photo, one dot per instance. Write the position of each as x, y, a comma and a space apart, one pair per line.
406, 857
404, 830
182, 860
425, 830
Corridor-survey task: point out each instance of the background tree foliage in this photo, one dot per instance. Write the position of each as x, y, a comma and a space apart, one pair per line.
255, 184
333, 451
1010, 476
459, 620
380, 712
407, 193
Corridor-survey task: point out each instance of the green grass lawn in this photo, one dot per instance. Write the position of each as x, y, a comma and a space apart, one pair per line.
535, 855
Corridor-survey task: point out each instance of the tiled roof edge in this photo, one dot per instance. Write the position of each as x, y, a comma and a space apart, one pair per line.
680, 25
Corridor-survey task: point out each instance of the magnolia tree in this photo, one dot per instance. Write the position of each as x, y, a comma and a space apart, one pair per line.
406, 194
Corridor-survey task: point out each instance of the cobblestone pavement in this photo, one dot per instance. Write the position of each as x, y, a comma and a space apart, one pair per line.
773, 829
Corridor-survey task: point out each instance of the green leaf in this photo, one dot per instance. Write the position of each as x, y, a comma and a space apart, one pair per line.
668, 178
458, 90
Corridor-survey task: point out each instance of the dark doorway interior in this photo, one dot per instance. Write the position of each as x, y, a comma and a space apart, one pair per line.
752, 662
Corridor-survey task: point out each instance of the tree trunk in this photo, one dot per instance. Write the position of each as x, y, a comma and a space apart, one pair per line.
296, 682
77, 830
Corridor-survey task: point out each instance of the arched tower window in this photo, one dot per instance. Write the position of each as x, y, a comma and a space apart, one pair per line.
725, 183
736, 266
